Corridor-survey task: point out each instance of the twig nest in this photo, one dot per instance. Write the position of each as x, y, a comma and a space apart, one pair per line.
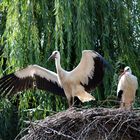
87, 124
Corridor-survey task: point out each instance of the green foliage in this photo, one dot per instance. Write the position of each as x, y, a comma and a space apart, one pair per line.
30, 30
8, 120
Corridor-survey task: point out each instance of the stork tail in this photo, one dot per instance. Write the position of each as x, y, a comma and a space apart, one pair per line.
85, 97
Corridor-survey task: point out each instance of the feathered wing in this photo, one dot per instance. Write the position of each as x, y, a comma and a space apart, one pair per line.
120, 85
135, 80
90, 70
32, 76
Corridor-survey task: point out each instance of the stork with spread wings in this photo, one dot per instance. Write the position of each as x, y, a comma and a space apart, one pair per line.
76, 83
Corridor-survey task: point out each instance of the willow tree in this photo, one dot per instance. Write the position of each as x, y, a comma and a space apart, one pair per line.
31, 29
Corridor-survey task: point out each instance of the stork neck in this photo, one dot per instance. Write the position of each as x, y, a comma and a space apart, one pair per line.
57, 64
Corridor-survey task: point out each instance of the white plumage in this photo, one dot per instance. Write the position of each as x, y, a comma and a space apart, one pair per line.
127, 87
76, 83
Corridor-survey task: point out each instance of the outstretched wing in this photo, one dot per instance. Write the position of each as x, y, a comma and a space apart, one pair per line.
90, 70
28, 78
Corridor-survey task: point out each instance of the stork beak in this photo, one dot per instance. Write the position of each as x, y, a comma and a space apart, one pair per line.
51, 57
122, 73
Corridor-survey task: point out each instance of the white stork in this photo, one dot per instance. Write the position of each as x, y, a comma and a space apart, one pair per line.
84, 78
126, 89
76, 83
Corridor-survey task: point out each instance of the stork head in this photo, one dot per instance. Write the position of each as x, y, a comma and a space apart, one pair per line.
54, 55
127, 69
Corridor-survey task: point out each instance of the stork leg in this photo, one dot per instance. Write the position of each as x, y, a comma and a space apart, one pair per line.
74, 101
128, 105
70, 101
122, 105
77, 102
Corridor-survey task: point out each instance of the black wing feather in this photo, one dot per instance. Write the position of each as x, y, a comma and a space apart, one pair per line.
44, 84
97, 77
11, 84
119, 97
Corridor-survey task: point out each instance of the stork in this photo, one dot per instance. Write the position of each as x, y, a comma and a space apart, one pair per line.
84, 78
76, 83
126, 89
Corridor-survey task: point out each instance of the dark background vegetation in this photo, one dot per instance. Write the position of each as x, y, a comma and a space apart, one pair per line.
31, 29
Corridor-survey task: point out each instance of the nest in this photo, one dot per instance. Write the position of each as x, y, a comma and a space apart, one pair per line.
87, 124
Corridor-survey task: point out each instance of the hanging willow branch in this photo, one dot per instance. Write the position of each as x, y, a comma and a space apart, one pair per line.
31, 29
